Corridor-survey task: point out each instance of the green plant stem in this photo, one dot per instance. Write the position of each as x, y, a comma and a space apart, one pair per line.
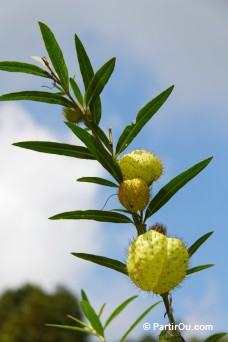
174, 328
141, 228
138, 222
111, 141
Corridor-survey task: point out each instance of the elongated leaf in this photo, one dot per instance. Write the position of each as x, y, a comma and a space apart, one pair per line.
84, 296
103, 261
164, 195
96, 215
118, 310
95, 111
101, 135
143, 116
76, 90
101, 310
97, 180
199, 268
215, 337
26, 68
80, 152
193, 248
84, 62
87, 75
98, 151
77, 320
98, 82
39, 96
68, 327
138, 320
92, 317
61, 92
124, 211
90, 314
55, 54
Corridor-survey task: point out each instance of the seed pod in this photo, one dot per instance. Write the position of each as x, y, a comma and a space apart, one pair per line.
141, 164
73, 115
157, 263
134, 194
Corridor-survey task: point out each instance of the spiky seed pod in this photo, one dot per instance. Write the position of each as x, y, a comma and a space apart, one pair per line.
157, 263
73, 115
141, 164
134, 194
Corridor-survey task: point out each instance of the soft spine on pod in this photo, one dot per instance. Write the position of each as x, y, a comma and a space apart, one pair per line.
157, 263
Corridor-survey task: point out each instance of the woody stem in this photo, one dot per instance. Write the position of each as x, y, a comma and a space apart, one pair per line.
169, 312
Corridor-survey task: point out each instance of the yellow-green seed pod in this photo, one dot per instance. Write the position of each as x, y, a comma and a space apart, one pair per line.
134, 194
141, 164
73, 115
157, 263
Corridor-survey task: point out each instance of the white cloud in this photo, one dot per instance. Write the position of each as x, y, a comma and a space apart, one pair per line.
34, 187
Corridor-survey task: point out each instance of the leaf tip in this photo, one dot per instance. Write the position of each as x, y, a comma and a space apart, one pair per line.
41, 24
53, 217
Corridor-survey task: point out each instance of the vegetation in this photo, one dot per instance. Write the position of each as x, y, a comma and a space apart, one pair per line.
25, 311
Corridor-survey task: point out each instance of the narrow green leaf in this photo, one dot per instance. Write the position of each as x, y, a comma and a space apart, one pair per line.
193, 248
84, 296
164, 195
77, 320
55, 54
98, 151
76, 90
59, 88
143, 116
80, 152
95, 111
39, 96
98, 82
199, 268
215, 337
84, 62
101, 310
101, 135
103, 261
87, 75
137, 321
26, 68
60, 93
124, 211
92, 317
163, 336
96, 215
97, 180
118, 310
69, 327
91, 314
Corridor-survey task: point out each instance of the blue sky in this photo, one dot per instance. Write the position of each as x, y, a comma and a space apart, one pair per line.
157, 44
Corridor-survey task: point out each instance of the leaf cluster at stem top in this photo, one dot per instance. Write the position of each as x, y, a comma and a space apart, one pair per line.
97, 144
